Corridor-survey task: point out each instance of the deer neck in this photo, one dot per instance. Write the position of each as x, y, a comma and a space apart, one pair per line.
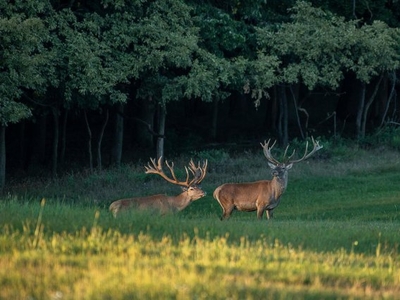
280, 184
180, 201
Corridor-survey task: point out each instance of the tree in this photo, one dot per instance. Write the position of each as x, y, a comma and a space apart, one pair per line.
24, 66
167, 49
317, 48
374, 51
91, 68
226, 49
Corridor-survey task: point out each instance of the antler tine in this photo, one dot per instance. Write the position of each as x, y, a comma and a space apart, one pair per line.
286, 149
288, 159
171, 169
203, 171
267, 152
316, 147
156, 168
187, 177
198, 172
284, 154
192, 168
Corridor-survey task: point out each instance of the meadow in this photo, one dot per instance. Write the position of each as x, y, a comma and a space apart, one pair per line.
335, 234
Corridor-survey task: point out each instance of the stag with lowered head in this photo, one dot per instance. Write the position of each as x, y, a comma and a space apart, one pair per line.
264, 195
163, 203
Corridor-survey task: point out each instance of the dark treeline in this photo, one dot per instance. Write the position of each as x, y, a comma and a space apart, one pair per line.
98, 83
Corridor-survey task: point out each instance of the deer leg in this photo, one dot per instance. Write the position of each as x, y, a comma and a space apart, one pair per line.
226, 212
269, 213
260, 212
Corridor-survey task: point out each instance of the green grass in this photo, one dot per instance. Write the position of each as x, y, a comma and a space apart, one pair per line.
335, 235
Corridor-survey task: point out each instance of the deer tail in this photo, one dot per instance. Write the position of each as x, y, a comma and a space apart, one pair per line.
114, 208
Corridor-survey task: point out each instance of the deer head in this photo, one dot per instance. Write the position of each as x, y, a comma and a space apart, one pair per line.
191, 186
279, 169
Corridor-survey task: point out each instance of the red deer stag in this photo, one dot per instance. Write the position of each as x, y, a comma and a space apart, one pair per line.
264, 195
164, 203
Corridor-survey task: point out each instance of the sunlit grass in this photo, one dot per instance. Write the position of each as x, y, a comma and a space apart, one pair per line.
105, 264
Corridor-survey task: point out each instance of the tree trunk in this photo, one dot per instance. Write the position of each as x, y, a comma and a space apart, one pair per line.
22, 145
56, 135
101, 134
295, 97
283, 135
39, 141
161, 130
272, 115
89, 142
214, 124
368, 105
360, 111
363, 107
389, 100
116, 151
2, 157
146, 115
64, 137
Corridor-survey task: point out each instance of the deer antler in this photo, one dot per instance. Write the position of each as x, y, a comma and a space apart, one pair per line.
268, 155
198, 172
316, 146
267, 152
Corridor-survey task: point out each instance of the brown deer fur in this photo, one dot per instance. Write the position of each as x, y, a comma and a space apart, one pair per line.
163, 203
261, 196
160, 203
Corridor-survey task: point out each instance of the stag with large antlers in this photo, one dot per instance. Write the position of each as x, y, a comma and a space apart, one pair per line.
264, 195
163, 203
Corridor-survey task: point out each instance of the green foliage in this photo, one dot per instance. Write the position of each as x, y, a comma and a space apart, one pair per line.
23, 63
317, 47
212, 155
176, 49
166, 37
92, 55
207, 76
395, 142
214, 22
374, 50
310, 46
338, 149
262, 75
387, 136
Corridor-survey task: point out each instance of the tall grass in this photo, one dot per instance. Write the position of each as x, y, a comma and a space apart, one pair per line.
104, 264
335, 235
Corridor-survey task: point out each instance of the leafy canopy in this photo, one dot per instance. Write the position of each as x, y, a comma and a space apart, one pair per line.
316, 47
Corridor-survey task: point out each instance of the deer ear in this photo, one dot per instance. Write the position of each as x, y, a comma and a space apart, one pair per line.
184, 188
288, 167
272, 166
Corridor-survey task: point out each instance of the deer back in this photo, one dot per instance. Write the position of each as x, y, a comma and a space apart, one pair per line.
151, 202
244, 196
161, 203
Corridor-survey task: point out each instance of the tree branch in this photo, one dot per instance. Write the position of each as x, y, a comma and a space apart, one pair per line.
147, 125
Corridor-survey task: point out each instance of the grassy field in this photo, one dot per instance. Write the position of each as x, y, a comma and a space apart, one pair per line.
335, 235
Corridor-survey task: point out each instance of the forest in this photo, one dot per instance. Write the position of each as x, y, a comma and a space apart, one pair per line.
90, 84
